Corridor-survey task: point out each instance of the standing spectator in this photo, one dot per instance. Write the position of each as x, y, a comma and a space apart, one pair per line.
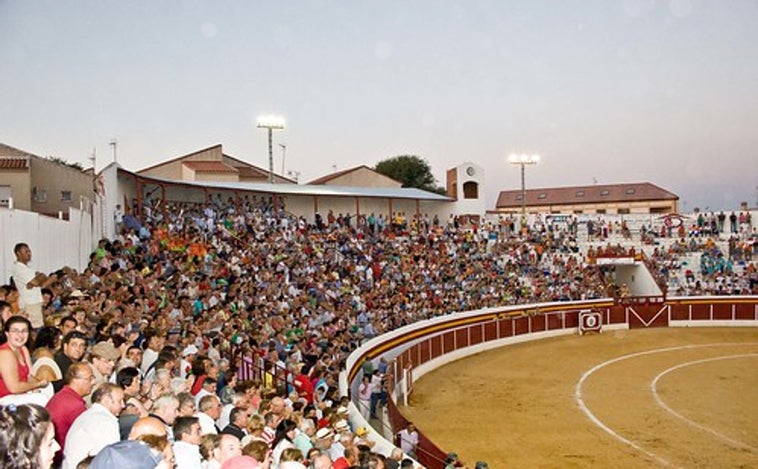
408, 440
26, 437
97, 427
29, 285
377, 392
364, 396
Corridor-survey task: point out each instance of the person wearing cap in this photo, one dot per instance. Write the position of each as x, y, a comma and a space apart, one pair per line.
103, 356
188, 356
482, 465
324, 441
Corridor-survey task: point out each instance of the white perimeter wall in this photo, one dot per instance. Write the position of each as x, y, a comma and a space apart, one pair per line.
54, 242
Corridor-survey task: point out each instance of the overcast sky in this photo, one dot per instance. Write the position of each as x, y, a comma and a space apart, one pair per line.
605, 91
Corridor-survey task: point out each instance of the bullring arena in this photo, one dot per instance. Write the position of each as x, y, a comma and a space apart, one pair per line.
479, 336
523, 390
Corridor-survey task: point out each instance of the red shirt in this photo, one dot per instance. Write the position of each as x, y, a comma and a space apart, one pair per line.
23, 371
304, 387
64, 407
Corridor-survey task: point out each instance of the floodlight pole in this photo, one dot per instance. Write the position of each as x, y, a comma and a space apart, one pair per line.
523, 160
271, 123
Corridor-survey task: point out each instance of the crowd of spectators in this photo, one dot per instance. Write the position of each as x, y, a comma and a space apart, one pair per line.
142, 345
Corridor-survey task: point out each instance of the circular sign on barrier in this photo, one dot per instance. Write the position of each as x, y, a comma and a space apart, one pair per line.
590, 321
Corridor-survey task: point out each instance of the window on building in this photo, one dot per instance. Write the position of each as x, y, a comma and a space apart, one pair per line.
629, 191
578, 211
605, 192
623, 211
542, 196
519, 197
5, 196
66, 196
580, 193
470, 190
39, 195
601, 211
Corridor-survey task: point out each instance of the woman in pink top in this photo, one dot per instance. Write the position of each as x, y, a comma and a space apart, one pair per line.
15, 361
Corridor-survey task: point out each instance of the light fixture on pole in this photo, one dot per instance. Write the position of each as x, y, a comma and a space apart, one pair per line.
523, 159
271, 123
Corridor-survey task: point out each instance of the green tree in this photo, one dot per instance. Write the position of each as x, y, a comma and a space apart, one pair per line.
411, 171
75, 165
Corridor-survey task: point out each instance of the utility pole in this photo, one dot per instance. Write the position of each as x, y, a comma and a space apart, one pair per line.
114, 143
284, 155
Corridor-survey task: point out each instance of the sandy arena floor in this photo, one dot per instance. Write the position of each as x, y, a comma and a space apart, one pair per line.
641, 398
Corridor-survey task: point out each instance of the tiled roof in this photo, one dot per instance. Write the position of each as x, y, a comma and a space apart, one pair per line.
209, 166
7, 150
251, 171
12, 162
178, 158
245, 169
614, 193
335, 175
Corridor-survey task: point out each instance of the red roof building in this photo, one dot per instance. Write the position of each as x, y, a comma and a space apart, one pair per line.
607, 198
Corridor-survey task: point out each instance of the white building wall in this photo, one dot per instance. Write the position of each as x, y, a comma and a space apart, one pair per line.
54, 242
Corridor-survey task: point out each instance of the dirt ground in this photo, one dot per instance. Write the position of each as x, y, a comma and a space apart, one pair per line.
521, 407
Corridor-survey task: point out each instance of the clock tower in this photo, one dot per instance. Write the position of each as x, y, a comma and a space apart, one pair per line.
465, 184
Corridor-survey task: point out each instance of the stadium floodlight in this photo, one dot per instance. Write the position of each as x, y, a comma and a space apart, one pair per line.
523, 159
271, 123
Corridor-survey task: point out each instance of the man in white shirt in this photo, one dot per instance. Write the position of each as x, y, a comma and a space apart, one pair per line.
187, 446
97, 427
29, 285
155, 342
408, 440
209, 411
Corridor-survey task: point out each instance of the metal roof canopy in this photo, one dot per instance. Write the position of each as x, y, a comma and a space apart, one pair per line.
304, 189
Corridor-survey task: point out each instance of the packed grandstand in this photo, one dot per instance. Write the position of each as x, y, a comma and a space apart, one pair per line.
261, 309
